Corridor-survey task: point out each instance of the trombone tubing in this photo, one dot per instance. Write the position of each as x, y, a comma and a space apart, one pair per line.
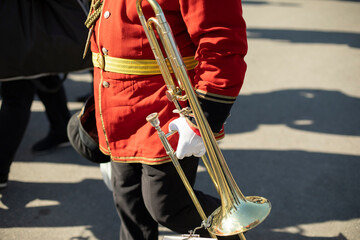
230, 194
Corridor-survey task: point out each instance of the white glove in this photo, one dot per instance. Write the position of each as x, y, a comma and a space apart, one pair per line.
189, 142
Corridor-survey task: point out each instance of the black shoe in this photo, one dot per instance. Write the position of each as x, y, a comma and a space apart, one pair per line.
3, 181
50, 142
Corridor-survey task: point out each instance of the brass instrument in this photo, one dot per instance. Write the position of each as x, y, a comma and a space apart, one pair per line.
237, 213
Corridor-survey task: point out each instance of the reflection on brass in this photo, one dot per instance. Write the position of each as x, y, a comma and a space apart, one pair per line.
237, 213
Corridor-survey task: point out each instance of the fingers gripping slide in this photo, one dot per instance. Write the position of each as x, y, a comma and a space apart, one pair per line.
190, 143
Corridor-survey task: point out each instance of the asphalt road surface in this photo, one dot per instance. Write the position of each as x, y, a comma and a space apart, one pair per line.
293, 137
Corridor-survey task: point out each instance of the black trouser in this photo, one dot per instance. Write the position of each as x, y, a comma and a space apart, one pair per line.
17, 97
146, 195
52, 95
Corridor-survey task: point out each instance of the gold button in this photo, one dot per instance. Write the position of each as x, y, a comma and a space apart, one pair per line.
106, 84
107, 14
101, 61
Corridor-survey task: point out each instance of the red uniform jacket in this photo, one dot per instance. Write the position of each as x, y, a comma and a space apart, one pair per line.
214, 33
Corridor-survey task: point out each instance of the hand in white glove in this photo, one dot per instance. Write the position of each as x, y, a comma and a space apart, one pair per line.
189, 142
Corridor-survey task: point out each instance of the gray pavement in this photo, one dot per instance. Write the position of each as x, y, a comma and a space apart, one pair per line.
293, 137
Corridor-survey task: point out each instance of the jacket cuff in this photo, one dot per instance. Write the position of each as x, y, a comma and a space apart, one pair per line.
216, 114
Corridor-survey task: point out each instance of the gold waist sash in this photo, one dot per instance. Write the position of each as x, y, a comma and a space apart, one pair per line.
134, 66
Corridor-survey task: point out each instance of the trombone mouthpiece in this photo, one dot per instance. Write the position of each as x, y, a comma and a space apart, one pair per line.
153, 119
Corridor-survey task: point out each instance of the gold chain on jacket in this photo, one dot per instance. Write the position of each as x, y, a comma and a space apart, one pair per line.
94, 14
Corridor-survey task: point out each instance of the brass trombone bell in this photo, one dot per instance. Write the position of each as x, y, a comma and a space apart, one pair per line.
242, 217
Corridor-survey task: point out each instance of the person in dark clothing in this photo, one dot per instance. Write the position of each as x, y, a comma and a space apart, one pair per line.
17, 97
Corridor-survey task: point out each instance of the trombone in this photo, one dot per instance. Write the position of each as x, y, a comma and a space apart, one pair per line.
237, 213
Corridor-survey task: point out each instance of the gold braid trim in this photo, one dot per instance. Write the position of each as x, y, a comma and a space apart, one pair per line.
93, 15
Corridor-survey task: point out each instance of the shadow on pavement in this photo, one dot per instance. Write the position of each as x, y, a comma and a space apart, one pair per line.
257, 3
304, 188
331, 112
306, 36
87, 203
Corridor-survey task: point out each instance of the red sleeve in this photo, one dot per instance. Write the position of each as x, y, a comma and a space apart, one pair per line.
219, 32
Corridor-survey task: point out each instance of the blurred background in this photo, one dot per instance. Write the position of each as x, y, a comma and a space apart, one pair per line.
293, 137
